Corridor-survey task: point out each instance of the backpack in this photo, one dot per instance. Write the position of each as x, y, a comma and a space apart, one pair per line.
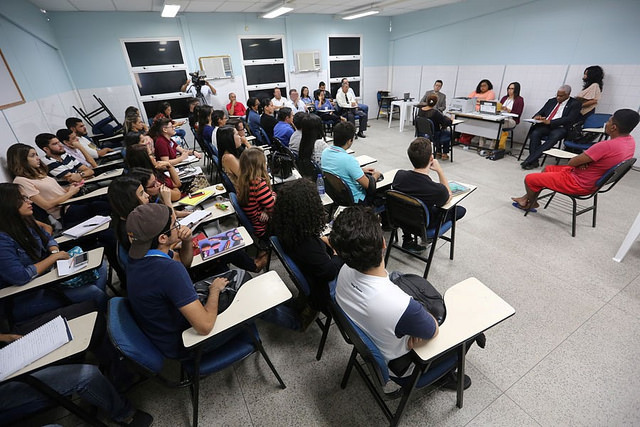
236, 278
422, 291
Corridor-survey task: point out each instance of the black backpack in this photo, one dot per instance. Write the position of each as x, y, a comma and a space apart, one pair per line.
236, 279
422, 291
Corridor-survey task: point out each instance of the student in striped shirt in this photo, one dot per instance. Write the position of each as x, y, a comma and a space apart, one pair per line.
254, 189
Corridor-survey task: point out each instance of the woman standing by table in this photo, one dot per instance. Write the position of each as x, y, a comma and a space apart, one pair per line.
512, 103
591, 90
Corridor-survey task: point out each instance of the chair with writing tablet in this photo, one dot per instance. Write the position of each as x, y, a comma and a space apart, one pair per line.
375, 373
131, 342
412, 216
604, 184
594, 121
300, 281
337, 189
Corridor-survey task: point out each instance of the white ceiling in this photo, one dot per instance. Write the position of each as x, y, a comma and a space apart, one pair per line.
328, 7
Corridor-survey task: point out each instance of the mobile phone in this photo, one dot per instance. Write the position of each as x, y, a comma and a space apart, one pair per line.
80, 260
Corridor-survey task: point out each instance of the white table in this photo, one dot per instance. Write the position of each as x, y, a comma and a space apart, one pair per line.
364, 160
106, 175
64, 239
459, 197
405, 108
253, 298
276, 180
472, 308
484, 125
631, 237
97, 193
95, 259
388, 179
560, 154
326, 200
246, 237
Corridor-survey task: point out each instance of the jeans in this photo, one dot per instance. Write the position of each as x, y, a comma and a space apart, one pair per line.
35, 303
537, 147
18, 399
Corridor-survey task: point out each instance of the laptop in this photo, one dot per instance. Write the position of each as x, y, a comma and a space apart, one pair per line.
489, 107
407, 96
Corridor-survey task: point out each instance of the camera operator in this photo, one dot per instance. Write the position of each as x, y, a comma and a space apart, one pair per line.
198, 87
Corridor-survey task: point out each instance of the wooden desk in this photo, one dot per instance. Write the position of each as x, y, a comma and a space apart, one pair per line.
404, 106
97, 193
248, 241
253, 298
114, 173
484, 125
64, 239
95, 259
365, 160
81, 329
472, 308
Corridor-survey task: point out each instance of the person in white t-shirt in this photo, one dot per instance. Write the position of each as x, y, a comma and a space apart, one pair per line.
77, 125
208, 92
392, 319
295, 103
278, 100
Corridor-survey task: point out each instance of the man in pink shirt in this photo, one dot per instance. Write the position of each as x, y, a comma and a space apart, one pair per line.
580, 175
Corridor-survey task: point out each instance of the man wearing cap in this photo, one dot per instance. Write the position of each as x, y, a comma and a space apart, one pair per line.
160, 289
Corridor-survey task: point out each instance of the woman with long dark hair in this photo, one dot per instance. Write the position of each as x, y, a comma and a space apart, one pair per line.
164, 112
512, 103
229, 143
205, 128
267, 121
298, 221
138, 157
591, 90
27, 251
312, 145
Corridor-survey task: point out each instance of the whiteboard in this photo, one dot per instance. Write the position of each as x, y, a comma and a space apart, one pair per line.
10, 94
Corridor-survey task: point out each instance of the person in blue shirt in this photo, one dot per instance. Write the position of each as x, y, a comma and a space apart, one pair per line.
27, 251
284, 128
337, 161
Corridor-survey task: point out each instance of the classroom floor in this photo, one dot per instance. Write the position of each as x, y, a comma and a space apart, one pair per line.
567, 357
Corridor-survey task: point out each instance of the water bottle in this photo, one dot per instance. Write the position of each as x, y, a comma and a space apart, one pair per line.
320, 184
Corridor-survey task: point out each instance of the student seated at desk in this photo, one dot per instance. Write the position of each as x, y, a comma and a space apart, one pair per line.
284, 128
298, 221
235, 107
329, 113
229, 151
78, 127
156, 192
139, 138
18, 399
296, 104
512, 103
417, 183
392, 319
166, 148
218, 120
205, 124
278, 100
267, 121
165, 113
60, 165
27, 251
311, 146
254, 189
296, 137
361, 181
138, 156
253, 115
133, 122
160, 290
440, 123
31, 174
305, 96
72, 147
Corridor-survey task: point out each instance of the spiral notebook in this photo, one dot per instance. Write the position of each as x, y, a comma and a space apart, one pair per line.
33, 346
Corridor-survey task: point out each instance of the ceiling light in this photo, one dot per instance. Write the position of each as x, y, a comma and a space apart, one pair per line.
277, 12
170, 10
361, 14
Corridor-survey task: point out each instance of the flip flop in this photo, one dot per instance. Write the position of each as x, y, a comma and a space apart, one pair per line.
518, 206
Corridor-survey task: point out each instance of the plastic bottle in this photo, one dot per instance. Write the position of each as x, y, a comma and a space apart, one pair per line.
320, 184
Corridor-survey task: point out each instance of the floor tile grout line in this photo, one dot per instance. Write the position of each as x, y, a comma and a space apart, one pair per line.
235, 371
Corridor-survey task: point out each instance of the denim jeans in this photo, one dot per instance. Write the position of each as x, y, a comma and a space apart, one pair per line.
18, 399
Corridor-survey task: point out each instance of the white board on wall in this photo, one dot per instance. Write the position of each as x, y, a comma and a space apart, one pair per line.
10, 94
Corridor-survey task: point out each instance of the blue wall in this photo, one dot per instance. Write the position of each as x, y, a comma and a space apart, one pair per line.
30, 48
519, 32
90, 42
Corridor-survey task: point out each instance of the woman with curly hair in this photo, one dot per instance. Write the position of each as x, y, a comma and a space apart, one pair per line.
591, 90
298, 221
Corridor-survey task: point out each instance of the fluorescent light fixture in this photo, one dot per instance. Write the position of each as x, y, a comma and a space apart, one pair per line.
361, 14
170, 10
277, 12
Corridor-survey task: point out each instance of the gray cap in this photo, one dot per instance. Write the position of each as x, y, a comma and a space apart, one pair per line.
143, 224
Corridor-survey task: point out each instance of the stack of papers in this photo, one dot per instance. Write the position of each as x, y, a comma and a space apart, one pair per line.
192, 220
86, 226
33, 346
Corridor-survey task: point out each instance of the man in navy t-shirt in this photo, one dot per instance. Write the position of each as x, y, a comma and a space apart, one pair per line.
160, 290
393, 320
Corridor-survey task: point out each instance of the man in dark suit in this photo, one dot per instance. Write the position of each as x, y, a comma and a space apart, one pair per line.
556, 117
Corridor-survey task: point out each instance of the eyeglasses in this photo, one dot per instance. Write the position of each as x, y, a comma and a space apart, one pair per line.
176, 225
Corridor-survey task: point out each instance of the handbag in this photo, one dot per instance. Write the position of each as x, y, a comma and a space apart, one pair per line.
236, 278
281, 165
86, 278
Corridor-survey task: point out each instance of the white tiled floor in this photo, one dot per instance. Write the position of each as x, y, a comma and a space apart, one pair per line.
568, 356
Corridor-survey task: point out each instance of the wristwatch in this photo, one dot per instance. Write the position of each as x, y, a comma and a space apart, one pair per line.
55, 251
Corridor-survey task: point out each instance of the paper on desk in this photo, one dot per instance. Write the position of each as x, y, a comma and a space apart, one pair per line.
194, 218
33, 346
532, 121
71, 265
86, 226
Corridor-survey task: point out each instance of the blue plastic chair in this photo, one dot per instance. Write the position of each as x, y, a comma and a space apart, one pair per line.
378, 373
128, 338
412, 216
300, 281
596, 120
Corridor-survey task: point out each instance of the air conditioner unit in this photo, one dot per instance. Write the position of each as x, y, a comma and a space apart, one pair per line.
216, 67
308, 61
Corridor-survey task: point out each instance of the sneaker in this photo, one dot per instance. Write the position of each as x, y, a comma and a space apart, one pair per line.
444, 156
361, 135
413, 247
438, 155
139, 419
